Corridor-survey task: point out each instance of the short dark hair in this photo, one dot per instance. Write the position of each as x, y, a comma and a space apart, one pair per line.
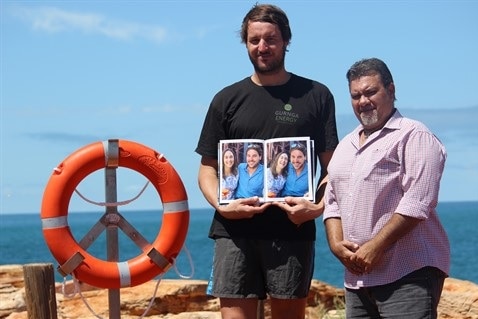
370, 66
298, 146
267, 13
255, 147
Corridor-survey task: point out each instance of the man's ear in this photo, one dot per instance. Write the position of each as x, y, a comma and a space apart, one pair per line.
391, 90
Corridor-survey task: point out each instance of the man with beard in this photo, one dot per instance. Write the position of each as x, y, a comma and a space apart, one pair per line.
297, 182
380, 205
265, 249
251, 173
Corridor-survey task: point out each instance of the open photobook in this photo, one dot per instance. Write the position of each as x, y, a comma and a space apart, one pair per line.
270, 169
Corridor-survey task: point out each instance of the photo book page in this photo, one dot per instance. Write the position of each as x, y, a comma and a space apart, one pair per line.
270, 169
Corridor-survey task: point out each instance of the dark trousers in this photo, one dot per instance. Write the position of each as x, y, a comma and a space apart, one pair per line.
414, 296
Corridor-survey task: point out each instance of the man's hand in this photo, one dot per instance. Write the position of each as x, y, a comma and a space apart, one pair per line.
367, 257
242, 208
370, 254
299, 210
345, 251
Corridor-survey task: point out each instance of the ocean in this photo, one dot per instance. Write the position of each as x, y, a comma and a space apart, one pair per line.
22, 242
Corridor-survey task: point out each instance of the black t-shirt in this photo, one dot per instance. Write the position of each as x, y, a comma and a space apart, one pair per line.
301, 107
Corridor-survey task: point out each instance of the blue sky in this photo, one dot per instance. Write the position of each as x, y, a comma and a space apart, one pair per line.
77, 72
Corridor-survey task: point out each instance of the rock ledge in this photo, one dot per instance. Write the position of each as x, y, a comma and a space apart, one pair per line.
186, 299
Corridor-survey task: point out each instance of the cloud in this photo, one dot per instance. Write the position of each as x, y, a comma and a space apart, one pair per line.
62, 137
203, 32
55, 20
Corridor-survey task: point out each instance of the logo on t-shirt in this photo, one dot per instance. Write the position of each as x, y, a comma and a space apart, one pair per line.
286, 116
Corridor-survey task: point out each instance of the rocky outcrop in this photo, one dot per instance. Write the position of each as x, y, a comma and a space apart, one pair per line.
186, 299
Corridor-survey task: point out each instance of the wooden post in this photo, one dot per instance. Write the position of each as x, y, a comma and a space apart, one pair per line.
260, 309
40, 295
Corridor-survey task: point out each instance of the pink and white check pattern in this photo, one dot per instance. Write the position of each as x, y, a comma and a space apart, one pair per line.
397, 170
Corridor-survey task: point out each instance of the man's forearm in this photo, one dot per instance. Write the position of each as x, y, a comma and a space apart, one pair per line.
397, 227
333, 230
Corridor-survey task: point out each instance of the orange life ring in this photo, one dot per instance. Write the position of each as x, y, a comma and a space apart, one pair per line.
156, 257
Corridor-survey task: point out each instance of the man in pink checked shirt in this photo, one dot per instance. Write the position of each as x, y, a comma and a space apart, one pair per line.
380, 202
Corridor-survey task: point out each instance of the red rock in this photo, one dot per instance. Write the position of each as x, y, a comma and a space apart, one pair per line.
187, 299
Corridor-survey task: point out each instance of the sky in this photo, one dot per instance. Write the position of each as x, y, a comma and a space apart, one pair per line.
78, 72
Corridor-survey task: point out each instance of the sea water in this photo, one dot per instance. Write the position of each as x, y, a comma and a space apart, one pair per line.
22, 242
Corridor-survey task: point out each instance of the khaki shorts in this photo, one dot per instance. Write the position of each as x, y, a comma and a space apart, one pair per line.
251, 268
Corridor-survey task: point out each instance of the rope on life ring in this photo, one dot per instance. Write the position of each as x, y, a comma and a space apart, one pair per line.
156, 257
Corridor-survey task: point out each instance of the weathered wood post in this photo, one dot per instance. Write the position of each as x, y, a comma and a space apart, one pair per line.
40, 295
260, 309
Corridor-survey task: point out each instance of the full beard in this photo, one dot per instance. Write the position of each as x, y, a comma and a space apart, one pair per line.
369, 118
269, 68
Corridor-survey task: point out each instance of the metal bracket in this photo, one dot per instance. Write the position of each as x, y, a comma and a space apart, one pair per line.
160, 261
71, 264
111, 148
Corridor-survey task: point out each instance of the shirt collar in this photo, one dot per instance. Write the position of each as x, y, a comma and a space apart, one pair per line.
393, 123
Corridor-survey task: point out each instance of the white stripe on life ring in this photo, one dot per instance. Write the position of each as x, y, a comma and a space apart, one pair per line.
175, 206
54, 222
124, 274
